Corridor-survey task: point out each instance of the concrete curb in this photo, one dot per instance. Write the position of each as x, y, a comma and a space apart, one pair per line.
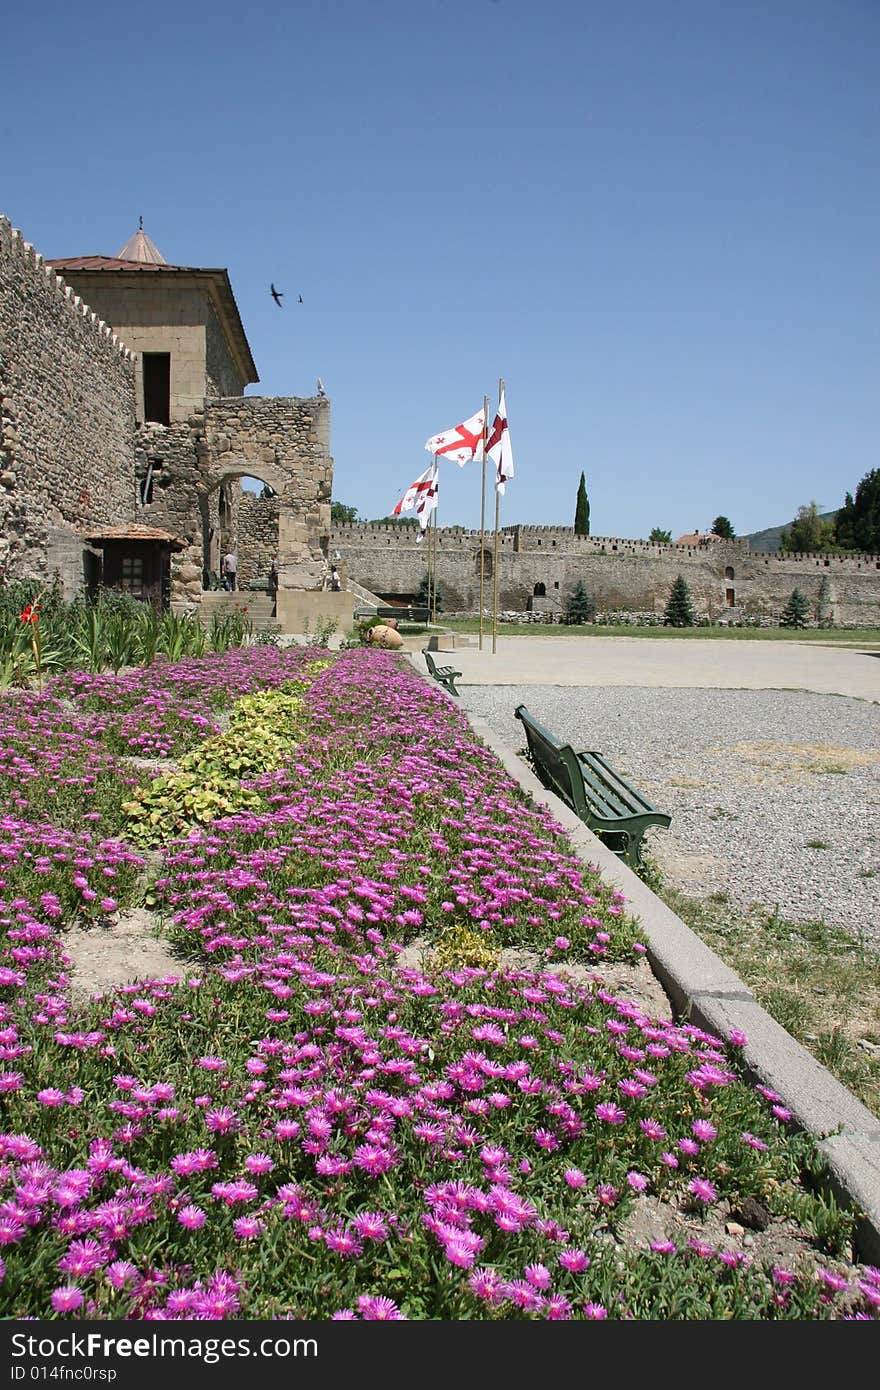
709, 994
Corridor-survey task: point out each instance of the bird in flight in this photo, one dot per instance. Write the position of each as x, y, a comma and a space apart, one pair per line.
300, 299
277, 295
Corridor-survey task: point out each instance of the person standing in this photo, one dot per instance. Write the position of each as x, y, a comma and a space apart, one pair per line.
230, 569
273, 587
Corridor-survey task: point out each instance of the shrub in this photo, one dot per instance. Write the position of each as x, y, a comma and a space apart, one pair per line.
679, 609
796, 612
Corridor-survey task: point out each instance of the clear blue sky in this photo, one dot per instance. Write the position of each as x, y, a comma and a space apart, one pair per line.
658, 220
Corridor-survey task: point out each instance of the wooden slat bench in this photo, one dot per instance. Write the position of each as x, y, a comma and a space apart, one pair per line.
605, 802
444, 674
411, 613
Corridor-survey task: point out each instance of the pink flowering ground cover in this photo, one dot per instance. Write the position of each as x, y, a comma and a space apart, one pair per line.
303, 1124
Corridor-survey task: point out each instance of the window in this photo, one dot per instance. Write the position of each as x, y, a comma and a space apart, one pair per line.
728, 573
131, 574
157, 387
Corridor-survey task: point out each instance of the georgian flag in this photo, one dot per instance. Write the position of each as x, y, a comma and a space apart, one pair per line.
418, 491
462, 443
498, 447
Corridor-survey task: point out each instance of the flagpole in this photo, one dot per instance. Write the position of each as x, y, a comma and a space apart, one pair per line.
495, 551
436, 557
483, 515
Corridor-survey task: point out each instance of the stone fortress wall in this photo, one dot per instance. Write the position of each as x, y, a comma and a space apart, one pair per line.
67, 397
726, 578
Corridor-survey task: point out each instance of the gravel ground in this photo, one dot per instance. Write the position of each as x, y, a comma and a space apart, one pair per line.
774, 794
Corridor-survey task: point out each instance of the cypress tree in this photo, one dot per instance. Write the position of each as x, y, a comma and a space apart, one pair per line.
679, 609
582, 510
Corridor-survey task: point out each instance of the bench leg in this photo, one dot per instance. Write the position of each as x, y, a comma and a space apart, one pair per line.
450, 684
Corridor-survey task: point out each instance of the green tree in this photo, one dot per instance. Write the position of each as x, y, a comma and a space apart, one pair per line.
582, 510
857, 524
796, 611
581, 607
808, 533
660, 537
679, 608
435, 601
340, 514
722, 527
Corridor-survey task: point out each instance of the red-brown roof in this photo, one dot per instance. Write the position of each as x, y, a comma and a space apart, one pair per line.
135, 532
697, 538
63, 263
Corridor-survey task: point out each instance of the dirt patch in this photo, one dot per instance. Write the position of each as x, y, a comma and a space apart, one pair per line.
123, 949
780, 1243
695, 875
787, 763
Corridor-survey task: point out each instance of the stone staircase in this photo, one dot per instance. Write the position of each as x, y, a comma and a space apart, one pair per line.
219, 601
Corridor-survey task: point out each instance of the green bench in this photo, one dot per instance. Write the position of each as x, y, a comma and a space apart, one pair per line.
593, 790
409, 613
444, 674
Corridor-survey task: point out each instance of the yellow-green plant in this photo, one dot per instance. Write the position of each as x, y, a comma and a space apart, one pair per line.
263, 729
463, 946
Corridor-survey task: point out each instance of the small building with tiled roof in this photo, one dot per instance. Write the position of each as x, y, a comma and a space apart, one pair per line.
697, 538
182, 321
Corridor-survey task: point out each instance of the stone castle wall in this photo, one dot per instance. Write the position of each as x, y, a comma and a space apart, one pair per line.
67, 394
726, 579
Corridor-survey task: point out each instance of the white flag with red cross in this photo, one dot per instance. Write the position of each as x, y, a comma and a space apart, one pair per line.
498, 447
462, 443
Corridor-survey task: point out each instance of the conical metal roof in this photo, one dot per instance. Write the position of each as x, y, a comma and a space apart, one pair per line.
140, 248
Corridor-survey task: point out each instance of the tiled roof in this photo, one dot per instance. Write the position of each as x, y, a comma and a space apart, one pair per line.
63, 263
135, 532
697, 538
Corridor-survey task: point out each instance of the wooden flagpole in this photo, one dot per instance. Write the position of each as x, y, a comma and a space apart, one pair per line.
495, 550
483, 515
436, 543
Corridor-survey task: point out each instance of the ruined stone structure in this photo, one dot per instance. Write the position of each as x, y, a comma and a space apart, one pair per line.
142, 429
539, 566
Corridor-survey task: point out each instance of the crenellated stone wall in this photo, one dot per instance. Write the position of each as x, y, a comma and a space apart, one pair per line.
726, 579
67, 395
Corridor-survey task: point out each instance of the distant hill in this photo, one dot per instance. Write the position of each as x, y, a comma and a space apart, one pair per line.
768, 541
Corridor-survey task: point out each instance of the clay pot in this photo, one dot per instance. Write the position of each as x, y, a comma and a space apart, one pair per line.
383, 636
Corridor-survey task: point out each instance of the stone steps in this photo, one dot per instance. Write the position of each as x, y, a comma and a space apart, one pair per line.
258, 606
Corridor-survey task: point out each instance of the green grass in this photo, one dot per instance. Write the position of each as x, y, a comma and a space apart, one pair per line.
817, 981
861, 637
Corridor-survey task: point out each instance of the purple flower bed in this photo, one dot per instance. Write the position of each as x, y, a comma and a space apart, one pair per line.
310, 1122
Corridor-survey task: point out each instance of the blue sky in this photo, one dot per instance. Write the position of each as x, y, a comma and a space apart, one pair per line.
657, 220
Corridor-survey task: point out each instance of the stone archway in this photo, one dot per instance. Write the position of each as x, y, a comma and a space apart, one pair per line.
284, 442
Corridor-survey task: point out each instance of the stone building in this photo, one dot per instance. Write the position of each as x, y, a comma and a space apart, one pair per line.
126, 431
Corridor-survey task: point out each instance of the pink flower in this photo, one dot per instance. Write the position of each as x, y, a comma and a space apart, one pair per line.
375, 1308
574, 1177
703, 1190
192, 1217
595, 1312
67, 1299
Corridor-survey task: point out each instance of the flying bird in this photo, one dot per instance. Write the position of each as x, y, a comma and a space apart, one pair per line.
300, 299
277, 295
